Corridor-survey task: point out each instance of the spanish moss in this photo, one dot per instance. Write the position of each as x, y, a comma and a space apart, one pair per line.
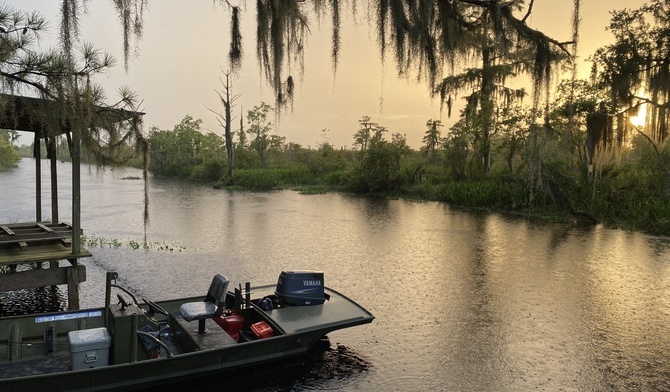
281, 32
131, 16
235, 52
336, 33
69, 31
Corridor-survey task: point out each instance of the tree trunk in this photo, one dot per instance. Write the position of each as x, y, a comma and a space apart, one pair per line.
561, 200
229, 141
228, 133
487, 109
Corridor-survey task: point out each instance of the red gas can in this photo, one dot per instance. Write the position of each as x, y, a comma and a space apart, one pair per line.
231, 322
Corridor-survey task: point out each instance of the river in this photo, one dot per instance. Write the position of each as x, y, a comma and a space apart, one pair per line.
464, 302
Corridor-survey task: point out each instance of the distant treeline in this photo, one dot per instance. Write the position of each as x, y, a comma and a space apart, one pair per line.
626, 190
530, 171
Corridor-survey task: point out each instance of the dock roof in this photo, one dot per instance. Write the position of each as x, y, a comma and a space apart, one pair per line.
48, 117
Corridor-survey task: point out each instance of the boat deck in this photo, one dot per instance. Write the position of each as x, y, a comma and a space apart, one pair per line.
338, 312
215, 337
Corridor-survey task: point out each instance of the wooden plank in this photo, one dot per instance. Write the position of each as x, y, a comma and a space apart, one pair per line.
45, 228
37, 253
24, 225
39, 278
37, 231
44, 237
37, 227
7, 230
22, 245
66, 242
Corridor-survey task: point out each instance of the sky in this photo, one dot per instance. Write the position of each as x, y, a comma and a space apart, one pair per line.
179, 64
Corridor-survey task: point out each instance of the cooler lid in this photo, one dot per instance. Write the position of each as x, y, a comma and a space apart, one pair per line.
88, 337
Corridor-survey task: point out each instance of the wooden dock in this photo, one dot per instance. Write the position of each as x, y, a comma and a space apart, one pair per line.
43, 246
38, 243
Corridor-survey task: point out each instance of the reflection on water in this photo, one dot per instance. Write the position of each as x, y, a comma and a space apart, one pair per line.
325, 367
27, 301
463, 301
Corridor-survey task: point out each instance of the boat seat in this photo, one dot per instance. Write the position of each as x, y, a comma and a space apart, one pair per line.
211, 307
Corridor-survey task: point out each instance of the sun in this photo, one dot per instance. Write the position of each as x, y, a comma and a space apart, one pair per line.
641, 118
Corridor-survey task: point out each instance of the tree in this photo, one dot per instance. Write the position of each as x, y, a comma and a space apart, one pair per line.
185, 150
66, 77
513, 125
325, 144
21, 66
364, 134
189, 140
259, 128
241, 135
635, 70
276, 143
432, 136
379, 167
225, 121
276, 147
501, 58
457, 149
8, 155
488, 85
426, 38
573, 102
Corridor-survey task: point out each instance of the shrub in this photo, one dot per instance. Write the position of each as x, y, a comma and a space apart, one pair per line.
257, 179
209, 171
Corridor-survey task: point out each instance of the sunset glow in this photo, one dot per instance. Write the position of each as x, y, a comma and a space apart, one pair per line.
362, 85
640, 119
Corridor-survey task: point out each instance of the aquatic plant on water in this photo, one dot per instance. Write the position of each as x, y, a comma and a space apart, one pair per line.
104, 242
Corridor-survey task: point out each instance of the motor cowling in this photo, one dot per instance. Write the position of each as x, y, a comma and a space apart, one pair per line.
300, 288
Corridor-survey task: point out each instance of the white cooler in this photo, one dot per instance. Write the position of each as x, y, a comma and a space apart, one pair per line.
89, 348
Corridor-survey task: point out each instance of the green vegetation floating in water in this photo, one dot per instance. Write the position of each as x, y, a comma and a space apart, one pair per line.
103, 242
131, 178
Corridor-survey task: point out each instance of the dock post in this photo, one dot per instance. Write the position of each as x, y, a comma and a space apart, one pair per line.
38, 178
73, 285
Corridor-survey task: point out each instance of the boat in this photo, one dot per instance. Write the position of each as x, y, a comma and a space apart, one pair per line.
138, 344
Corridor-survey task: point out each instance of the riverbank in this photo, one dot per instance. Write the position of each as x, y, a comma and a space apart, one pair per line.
501, 195
626, 198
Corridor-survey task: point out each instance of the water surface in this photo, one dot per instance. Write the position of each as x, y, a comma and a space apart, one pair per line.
464, 302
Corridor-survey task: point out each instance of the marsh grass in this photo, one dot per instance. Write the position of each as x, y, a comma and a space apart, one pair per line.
105, 242
267, 179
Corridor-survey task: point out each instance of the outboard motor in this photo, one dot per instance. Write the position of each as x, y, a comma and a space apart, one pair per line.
300, 288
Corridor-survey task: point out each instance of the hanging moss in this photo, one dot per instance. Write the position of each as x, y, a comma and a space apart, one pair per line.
335, 52
599, 131
235, 52
131, 16
280, 38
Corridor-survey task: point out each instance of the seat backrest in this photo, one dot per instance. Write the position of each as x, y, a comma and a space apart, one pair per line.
217, 291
